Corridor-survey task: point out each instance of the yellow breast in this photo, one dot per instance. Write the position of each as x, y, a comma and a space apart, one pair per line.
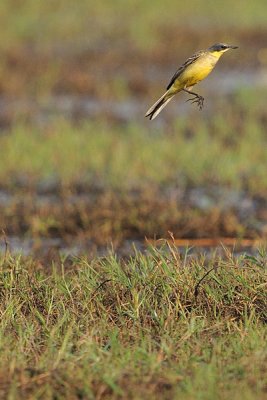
198, 70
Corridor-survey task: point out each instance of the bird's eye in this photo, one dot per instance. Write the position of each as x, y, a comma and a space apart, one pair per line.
223, 46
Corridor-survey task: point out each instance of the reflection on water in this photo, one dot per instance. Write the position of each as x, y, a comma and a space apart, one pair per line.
43, 247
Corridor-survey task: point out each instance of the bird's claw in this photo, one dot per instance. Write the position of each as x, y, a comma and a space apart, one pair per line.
197, 99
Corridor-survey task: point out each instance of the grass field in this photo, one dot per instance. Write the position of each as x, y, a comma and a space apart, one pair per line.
82, 171
156, 324
226, 149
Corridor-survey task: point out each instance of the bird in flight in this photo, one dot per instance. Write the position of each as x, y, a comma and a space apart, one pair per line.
194, 70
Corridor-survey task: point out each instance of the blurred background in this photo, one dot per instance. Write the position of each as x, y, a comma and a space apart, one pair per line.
81, 167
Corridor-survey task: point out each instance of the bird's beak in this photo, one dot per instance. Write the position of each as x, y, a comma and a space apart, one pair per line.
233, 47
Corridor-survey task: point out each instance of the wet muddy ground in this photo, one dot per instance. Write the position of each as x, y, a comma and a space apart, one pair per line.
94, 221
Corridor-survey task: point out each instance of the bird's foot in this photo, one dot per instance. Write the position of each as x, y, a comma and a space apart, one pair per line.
199, 100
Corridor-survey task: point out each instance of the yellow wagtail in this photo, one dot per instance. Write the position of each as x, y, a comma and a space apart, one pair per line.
194, 70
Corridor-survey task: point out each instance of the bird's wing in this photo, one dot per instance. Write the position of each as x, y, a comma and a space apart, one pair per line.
188, 62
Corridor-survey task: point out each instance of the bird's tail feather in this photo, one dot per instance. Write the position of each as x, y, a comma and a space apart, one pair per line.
159, 105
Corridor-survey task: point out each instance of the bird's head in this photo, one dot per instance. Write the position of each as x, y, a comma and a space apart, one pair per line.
219, 48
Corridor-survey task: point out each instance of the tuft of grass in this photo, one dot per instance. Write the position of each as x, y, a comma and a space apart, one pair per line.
189, 327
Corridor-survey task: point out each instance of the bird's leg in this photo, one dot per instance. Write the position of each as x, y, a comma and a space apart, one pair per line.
196, 99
